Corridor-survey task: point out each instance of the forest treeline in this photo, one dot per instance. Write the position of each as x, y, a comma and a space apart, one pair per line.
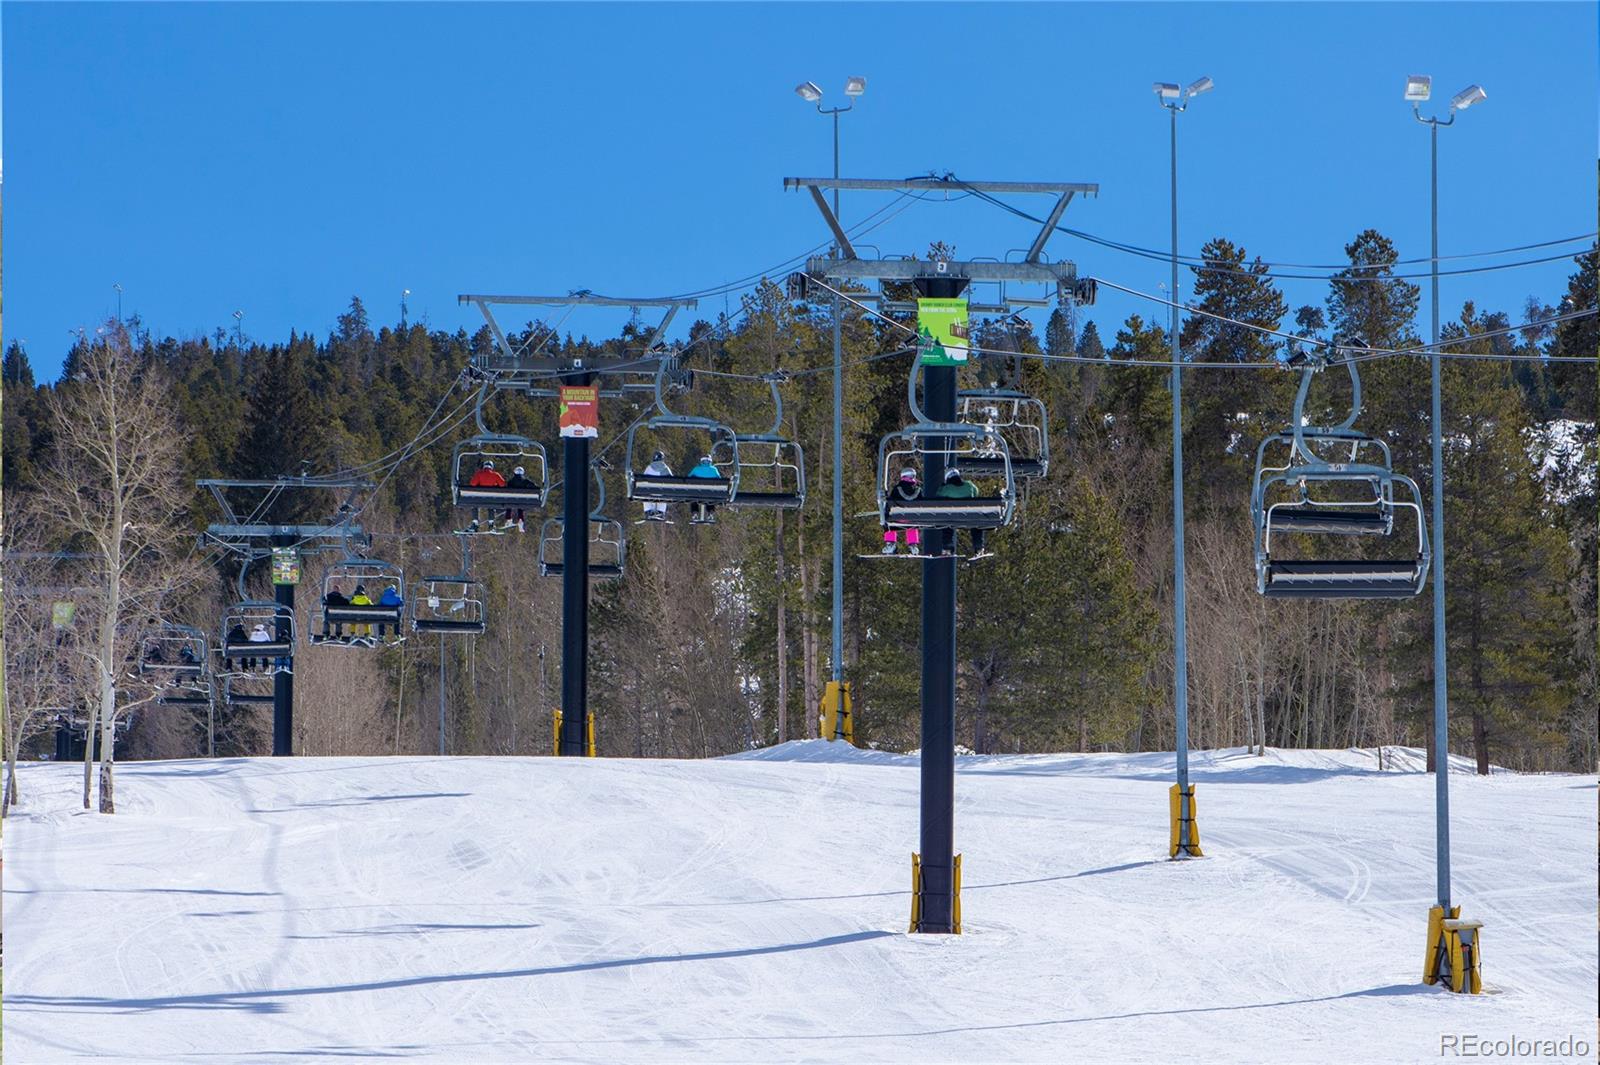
718, 637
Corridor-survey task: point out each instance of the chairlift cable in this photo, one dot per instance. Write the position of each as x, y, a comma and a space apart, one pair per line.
1201, 264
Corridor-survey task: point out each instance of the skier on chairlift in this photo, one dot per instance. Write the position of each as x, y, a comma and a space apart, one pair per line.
485, 476
957, 487
704, 513
258, 634
908, 487
658, 468
360, 598
519, 479
334, 598
390, 598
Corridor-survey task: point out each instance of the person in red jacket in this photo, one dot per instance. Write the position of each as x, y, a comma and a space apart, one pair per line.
486, 476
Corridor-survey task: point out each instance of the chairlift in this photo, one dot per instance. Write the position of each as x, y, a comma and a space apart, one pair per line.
771, 467
608, 541
679, 487
231, 698
173, 654
1333, 481
243, 656
1020, 419
448, 605
497, 457
958, 444
362, 604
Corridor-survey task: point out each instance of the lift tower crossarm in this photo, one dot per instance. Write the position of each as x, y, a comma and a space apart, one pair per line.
577, 299
1062, 190
1060, 273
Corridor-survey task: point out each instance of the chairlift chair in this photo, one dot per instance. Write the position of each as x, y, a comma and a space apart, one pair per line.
275, 655
446, 605
959, 444
173, 654
230, 697
772, 467
608, 541
680, 487
382, 623
1334, 481
506, 453
1020, 419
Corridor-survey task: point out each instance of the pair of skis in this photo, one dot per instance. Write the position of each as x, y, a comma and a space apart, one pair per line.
929, 558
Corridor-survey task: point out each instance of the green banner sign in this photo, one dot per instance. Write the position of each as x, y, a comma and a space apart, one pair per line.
285, 565
943, 336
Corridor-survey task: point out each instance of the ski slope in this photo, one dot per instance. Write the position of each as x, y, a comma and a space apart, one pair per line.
754, 909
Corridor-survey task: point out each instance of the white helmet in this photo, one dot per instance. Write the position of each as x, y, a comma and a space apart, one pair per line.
488, 464
908, 474
517, 472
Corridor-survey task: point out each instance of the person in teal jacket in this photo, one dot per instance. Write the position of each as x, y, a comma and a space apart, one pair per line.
704, 512
956, 486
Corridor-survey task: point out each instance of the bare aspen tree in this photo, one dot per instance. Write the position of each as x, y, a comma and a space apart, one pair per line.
113, 486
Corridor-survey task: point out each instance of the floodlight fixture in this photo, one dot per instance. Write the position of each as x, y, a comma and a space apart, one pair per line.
1467, 97
1198, 86
1418, 87
1167, 90
809, 91
855, 85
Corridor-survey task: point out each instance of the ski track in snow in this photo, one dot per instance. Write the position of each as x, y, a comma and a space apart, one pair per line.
754, 909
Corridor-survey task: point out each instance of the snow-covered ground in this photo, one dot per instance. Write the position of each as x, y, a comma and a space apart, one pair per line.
754, 909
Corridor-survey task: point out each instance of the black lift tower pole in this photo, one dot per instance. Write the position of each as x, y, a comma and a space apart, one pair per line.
935, 905
575, 589
516, 367
938, 835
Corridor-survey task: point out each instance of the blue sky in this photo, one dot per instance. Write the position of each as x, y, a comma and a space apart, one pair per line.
281, 158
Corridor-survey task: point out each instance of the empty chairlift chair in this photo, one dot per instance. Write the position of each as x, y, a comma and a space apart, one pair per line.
772, 467
243, 656
608, 543
362, 604
1332, 481
1017, 418
448, 606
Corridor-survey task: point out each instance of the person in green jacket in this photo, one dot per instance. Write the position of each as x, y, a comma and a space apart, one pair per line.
956, 486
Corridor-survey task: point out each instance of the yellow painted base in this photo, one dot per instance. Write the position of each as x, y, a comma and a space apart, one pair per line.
838, 722
588, 735
1453, 952
916, 894
1181, 812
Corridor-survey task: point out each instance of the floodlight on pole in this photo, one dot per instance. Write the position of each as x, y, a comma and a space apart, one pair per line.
809, 91
1443, 911
1467, 97
1418, 87
1185, 837
855, 86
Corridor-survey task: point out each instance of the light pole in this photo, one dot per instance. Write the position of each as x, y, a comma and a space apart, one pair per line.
404, 293
1185, 837
238, 330
1418, 88
118, 286
837, 693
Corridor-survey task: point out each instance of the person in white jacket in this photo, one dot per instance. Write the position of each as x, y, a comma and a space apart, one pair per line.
658, 468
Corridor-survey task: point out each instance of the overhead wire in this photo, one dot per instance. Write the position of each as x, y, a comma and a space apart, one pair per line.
1203, 265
